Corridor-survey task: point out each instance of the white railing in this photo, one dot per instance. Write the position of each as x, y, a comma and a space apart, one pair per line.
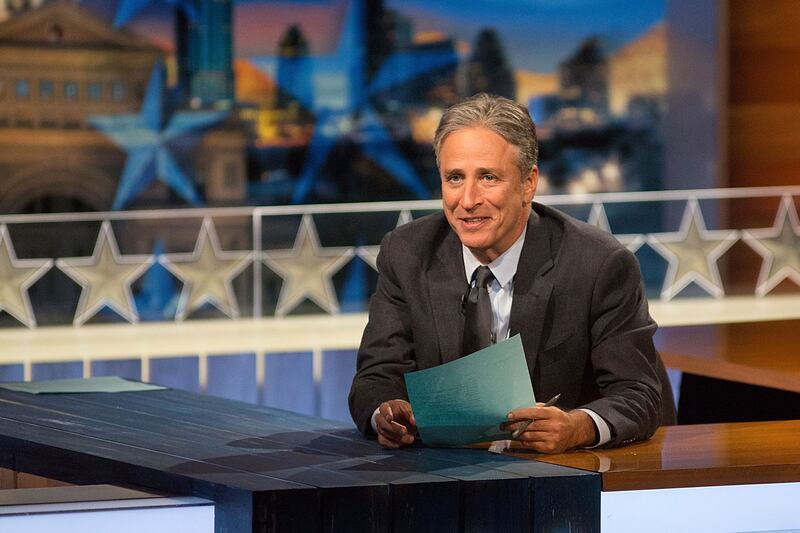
317, 333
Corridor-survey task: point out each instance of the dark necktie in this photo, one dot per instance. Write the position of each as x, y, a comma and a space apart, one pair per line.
478, 313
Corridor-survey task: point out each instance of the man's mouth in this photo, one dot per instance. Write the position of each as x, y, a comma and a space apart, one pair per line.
471, 222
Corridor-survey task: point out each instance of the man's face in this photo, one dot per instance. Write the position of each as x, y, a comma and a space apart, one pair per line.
483, 192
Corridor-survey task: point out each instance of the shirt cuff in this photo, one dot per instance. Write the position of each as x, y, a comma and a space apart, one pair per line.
603, 431
372, 419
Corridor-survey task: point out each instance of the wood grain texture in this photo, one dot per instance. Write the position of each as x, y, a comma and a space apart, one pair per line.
696, 456
757, 353
763, 93
8, 479
29, 481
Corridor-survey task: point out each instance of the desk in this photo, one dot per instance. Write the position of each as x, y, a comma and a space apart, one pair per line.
757, 353
272, 470
735, 372
269, 470
716, 477
695, 456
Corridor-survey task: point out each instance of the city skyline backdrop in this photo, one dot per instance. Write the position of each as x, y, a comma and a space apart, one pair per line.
537, 34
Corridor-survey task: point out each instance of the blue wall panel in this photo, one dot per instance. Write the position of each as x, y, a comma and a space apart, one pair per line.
289, 382
176, 372
233, 377
124, 368
338, 369
12, 372
43, 371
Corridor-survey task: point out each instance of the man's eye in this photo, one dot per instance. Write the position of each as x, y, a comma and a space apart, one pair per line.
489, 177
453, 178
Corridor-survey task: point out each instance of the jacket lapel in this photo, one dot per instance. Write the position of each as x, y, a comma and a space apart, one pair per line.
447, 285
533, 284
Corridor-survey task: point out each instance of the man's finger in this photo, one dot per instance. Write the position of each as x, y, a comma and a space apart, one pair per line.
385, 410
543, 413
402, 411
403, 414
534, 435
387, 443
392, 428
395, 437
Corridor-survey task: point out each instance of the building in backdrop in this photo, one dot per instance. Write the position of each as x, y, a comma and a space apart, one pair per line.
60, 66
281, 72
131, 105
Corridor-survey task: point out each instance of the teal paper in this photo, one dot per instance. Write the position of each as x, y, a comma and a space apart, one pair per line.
62, 386
465, 401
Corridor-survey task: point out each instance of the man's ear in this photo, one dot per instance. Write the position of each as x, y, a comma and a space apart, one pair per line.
529, 184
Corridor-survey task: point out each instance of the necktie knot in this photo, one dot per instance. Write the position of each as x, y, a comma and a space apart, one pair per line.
483, 277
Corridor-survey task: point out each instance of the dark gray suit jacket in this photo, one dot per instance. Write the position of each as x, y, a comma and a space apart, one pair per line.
578, 304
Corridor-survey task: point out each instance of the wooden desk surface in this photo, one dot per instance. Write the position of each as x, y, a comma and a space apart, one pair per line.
757, 353
695, 456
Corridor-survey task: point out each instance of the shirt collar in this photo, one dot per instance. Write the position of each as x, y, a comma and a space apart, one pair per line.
503, 267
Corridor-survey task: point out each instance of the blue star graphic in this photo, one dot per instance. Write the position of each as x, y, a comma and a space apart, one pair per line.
127, 9
342, 105
158, 298
150, 137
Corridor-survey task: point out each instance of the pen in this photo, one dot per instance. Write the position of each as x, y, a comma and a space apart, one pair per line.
550, 403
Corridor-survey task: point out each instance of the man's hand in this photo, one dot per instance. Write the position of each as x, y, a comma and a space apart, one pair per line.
552, 430
395, 423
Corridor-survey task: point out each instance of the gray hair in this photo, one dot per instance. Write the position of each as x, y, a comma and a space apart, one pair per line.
505, 117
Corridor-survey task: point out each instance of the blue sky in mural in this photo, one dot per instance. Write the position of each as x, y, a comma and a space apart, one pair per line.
537, 33
128, 9
149, 138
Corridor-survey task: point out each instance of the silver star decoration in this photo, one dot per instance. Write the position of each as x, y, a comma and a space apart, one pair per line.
370, 253
105, 278
306, 270
598, 218
779, 246
692, 253
16, 277
207, 274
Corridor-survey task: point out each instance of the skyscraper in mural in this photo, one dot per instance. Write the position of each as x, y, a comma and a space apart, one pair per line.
488, 69
204, 50
380, 38
294, 68
584, 77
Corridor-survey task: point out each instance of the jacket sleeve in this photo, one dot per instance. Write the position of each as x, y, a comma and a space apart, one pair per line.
623, 356
386, 351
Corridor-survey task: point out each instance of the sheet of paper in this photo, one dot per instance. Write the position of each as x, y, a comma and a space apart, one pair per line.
465, 401
61, 386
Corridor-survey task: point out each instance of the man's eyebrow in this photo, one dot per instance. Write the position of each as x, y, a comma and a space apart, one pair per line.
481, 170
488, 171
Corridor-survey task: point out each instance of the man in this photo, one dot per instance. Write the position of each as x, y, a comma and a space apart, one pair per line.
571, 291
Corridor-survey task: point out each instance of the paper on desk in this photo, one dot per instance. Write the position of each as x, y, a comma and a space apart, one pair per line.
98, 384
465, 401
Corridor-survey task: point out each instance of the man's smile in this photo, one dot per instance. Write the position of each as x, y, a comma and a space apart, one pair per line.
474, 222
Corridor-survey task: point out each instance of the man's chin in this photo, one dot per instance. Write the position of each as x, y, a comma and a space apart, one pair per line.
477, 247
472, 240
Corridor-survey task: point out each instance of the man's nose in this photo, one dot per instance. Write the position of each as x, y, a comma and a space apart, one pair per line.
471, 196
